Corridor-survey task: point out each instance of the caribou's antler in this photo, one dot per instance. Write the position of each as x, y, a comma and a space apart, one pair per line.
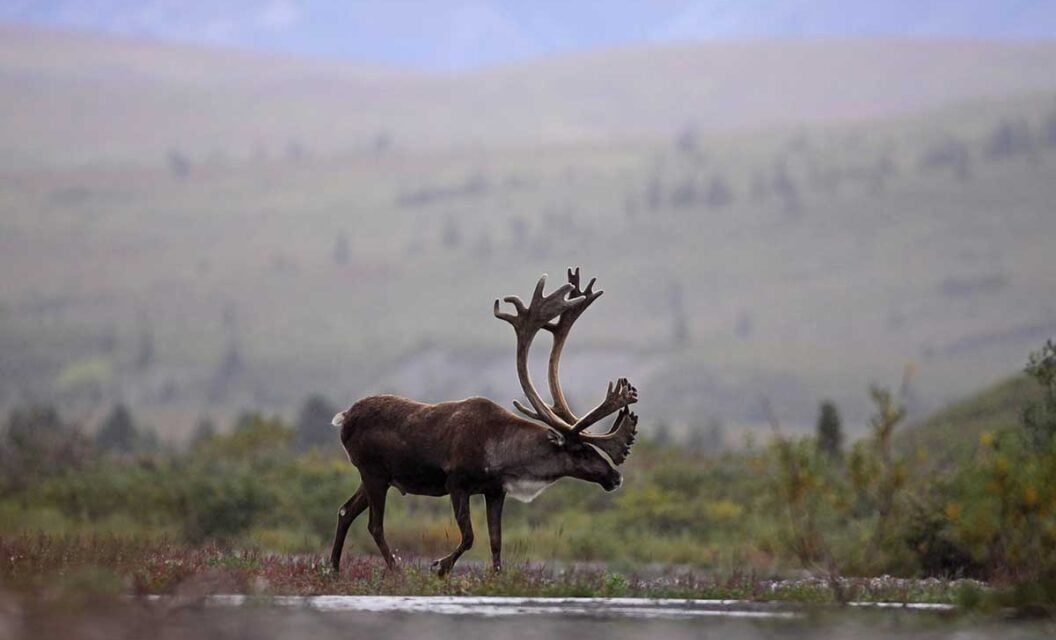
619, 396
617, 442
560, 331
557, 313
526, 323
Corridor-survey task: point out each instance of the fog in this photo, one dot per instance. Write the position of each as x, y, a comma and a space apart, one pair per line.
194, 231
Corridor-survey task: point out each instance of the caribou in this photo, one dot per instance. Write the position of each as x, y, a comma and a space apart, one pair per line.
474, 446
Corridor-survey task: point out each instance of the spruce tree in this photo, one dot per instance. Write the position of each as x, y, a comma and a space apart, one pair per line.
829, 430
313, 423
118, 432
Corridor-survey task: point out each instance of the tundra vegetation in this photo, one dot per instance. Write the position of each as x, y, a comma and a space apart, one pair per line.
886, 518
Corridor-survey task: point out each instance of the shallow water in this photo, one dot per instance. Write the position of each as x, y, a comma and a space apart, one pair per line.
465, 618
490, 607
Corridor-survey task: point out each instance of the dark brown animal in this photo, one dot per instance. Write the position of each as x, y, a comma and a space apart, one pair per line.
474, 446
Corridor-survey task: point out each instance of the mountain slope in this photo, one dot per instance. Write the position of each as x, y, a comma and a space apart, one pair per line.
951, 435
285, 248
74, 99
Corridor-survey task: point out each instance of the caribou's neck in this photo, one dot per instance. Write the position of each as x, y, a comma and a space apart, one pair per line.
527, 462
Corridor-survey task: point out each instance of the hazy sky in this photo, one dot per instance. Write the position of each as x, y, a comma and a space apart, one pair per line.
468, 33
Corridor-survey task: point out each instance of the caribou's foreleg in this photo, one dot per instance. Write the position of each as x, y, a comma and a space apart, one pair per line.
494, 502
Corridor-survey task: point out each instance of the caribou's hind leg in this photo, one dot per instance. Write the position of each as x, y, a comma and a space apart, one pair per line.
376, 490
348, 512
460, 502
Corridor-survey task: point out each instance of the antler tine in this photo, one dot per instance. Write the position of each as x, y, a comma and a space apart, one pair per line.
516, 302
502, 315
573, 279
617, 397
526, 411
537, 295
617, 442
540, 313
509, 317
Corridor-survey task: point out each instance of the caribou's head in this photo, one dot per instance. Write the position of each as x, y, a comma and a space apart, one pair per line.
583, 455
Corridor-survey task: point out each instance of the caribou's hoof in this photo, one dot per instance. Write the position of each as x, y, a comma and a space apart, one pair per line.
442, 567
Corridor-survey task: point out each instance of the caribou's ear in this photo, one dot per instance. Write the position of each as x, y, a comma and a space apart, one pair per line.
556, 438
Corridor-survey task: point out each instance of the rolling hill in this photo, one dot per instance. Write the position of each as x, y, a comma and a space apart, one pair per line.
197, 232
74, 99
952, 434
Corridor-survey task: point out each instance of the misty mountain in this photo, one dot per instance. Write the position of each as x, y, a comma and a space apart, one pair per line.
473, 33
223, 102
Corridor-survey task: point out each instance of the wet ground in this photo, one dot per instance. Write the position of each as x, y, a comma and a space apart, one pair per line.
455, 618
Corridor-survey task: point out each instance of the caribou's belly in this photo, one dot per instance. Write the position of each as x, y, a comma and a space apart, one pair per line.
420, 489
525, 490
